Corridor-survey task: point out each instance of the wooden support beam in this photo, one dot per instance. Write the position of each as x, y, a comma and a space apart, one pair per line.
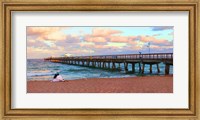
126, 66
143, 66
104, 64
167, 66
158, 69
139, 67
113, 65
133, 67
109, 65
150, 68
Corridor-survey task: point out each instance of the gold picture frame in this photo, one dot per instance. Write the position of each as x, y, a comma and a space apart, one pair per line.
192, 6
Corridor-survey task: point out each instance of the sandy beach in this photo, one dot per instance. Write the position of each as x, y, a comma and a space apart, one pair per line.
146, 84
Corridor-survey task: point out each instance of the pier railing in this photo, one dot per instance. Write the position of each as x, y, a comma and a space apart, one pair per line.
153, 56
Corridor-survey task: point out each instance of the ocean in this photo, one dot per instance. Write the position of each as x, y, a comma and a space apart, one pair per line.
38, 69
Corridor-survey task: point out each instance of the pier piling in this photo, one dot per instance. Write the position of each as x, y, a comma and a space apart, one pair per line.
133, 67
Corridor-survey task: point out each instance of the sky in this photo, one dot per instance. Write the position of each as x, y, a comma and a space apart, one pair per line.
45, 42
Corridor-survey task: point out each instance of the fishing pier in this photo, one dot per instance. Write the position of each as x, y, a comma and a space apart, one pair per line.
115, 62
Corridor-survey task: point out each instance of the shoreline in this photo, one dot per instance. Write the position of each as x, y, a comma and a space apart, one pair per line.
147, 75
139, 84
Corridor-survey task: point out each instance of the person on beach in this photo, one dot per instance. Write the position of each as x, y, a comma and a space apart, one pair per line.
57, 78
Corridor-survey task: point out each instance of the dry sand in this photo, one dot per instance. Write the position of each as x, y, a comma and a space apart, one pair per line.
146, 84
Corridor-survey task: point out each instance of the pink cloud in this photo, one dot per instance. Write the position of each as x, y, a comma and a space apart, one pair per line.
155, 47
42, 30
54, 36
102, 32
154, 41
46, 33
69, 39
131, 48
101, 46
119, 39
101, 36
122, 39
36, 43
34, 52
86, 44
96, 39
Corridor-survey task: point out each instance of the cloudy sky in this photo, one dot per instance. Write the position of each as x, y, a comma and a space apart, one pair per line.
56, 41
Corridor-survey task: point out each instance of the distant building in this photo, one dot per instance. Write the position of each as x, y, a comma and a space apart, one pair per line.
68, 55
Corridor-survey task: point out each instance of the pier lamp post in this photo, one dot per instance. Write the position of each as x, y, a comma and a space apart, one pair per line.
140, 61
140, 53
140, 44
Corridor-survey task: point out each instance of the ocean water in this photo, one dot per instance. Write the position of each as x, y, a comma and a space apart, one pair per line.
38, 69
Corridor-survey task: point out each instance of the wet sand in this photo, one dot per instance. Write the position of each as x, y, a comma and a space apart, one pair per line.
143, 84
